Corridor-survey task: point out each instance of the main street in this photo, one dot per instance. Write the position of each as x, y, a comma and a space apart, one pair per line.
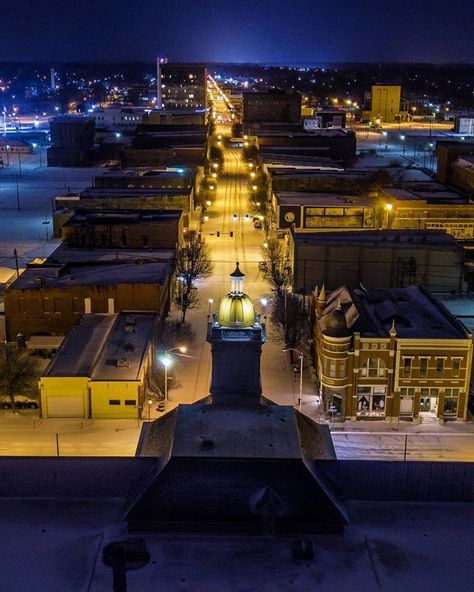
230, 212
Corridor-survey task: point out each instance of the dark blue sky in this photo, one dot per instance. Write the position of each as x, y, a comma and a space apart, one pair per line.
289, 31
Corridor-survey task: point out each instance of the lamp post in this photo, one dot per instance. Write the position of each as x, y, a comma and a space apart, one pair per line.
388, 209
209, 302
384, 134
402, 138
149, 409
300, 353
167, 360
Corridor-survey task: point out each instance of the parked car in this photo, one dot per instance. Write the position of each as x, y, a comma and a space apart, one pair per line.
262, 266
20, 403
257, 224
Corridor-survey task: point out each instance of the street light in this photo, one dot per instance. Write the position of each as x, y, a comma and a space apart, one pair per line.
167, 361
209, 302
300, 353
149, 409
388, 208
402, 138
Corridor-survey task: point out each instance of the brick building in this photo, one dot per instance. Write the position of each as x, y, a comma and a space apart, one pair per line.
72, 137
156, 229
278, 107
389, 354
50, 299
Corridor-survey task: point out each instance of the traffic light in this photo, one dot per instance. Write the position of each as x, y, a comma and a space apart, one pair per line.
218, 233
231, 233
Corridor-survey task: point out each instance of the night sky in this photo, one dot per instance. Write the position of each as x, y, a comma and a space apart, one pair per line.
281, 31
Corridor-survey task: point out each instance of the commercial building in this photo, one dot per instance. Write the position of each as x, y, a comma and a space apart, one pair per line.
462, 173
72, 137
49, 299
277, 107
324, 119
447, 153
427, 205
122, 119
153, 229
385, 103
464, 124
382, 258
389, 354
335, 144
115, 200
183, 86
322, 211
102, 368
173, 117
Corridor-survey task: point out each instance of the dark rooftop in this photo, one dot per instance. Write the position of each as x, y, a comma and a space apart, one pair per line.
123, 217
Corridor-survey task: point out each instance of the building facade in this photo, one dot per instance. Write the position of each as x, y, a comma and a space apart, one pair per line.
390, 354
385, 103
271, 107
50, 299
102, 368
184, 86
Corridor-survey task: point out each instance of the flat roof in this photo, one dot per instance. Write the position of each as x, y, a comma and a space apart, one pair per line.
94, 347
417, 314
123, 217
66, 254
321, 199
73, 119
124, 192
377, 238
97, 274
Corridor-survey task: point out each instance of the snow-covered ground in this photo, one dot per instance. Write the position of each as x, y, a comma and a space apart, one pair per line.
389, 547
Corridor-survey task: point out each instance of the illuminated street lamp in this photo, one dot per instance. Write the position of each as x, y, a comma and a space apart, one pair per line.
208, 202
388, 209
402, 138
167, 362
209, 302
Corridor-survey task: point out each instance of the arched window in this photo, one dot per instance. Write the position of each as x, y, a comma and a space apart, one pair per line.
373, 368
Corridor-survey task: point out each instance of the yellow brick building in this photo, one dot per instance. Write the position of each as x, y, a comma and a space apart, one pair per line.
385, 103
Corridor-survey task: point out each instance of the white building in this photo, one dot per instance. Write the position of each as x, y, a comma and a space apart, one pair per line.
118, 118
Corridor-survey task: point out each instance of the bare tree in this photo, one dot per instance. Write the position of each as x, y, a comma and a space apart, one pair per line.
17, 372
193, 262
278, 272
289, 320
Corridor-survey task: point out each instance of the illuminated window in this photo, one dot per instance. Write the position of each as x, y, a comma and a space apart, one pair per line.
407, 364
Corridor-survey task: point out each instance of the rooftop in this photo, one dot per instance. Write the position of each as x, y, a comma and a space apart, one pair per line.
320, 199
73, 119
112, 192
378, 238
100, 273
66, 254
105, 347
123, 217
416, 313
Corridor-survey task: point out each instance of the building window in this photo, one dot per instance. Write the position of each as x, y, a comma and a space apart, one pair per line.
130, 402
373, 368
451, 398
439, 367
407, 365
371, 401
114, 401
424, 367
124, 237
456, 367
145, 240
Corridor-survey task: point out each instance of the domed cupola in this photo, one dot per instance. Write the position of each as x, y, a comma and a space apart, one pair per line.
236, 308
336, 325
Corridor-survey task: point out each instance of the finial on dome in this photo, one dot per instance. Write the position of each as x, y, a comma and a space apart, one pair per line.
237, 272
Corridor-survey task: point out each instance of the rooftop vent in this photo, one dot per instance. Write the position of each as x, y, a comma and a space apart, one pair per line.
122, 363
129, 346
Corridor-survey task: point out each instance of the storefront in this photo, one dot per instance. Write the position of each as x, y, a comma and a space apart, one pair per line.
371, 401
